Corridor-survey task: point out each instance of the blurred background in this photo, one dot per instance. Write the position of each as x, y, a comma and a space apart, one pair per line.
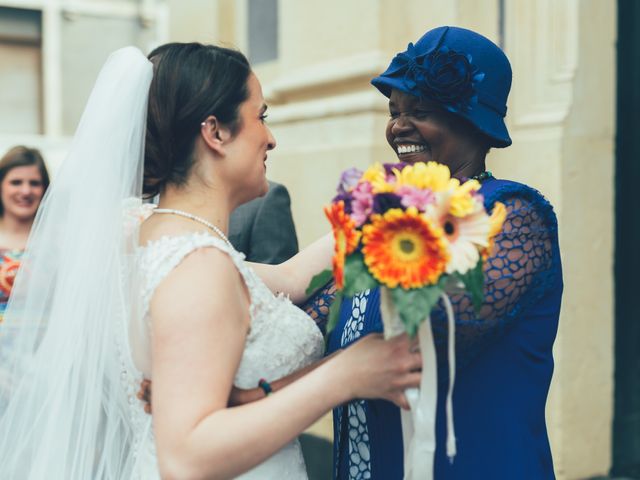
573, 110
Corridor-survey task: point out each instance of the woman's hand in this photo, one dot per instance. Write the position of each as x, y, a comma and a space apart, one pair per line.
378, 368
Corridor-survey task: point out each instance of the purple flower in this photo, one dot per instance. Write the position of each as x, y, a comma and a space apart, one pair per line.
443, 75
362, 204
385, 201
349, 179
416, 197
388, 167
347, 198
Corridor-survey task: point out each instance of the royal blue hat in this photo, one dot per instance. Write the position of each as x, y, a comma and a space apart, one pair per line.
463, 71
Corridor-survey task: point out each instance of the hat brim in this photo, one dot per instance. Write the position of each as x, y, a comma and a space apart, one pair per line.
482, 117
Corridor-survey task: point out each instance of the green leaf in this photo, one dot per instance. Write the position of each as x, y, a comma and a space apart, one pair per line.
319, 280
356, 275
446, 281
474, 283
414, 306
334, 312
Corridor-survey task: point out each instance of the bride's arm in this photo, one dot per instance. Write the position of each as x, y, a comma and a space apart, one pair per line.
200, 322
293, 276
240, 396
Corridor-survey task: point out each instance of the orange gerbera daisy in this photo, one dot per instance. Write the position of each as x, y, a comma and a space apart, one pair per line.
346, 238
404, 248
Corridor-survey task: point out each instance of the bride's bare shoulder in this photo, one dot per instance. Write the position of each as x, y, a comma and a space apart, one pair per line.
206, 280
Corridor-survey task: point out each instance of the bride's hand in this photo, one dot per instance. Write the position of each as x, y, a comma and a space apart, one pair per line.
378, 368
237, 396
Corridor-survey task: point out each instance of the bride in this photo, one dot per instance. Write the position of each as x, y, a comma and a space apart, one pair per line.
97, 307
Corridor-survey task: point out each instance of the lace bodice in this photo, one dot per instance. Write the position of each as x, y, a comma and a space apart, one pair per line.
281, 337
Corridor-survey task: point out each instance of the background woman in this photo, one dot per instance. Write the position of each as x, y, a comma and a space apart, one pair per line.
23, 181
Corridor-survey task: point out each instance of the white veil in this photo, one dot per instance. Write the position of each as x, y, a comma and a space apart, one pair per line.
63, 408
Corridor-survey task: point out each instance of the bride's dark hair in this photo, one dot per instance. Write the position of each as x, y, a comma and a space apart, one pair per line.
190, 82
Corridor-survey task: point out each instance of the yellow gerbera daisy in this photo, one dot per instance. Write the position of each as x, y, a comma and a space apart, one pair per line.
346, 238
430, 175
462, 201
404, 248
377, 177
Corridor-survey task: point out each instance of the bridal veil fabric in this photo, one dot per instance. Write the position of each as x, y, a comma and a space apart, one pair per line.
62, 407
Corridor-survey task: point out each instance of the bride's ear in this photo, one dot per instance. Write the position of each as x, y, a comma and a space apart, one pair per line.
214, 134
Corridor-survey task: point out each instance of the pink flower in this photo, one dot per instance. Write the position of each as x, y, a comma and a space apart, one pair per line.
415, 197
362, 204
478, 196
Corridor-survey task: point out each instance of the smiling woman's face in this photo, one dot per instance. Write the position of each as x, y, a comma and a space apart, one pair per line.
21, 191
420, 130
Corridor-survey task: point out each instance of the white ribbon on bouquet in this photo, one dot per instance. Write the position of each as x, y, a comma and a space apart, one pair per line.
419, 424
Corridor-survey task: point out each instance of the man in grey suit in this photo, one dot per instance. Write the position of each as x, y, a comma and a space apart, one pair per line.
263, 228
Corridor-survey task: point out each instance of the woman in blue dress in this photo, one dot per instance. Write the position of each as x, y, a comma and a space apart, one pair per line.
447, 102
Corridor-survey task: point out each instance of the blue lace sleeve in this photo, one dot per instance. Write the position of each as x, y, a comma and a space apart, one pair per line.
517, 274
317, 306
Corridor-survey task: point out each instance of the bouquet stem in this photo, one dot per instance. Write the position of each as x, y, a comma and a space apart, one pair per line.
418, 424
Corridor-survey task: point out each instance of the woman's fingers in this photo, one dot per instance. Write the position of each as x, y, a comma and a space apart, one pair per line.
385, 368
416, 362
401, 401
412, 380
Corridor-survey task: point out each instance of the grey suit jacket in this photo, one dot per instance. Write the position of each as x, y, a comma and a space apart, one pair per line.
263, 228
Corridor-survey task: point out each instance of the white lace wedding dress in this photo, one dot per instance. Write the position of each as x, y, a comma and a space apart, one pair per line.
281, 340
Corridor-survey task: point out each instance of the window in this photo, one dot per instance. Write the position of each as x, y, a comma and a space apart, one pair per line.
20, 71
263, 30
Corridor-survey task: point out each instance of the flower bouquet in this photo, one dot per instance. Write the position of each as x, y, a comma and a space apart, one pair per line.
417, 233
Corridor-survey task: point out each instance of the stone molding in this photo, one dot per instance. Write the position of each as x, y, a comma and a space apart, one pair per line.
547, 36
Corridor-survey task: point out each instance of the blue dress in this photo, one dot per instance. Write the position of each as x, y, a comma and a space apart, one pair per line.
504, 361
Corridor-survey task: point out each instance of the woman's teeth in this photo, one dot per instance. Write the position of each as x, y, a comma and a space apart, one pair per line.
411, 148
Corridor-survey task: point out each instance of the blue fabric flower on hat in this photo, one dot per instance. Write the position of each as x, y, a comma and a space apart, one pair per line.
443, 75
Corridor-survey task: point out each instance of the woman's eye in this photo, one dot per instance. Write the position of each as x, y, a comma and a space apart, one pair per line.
422, 113
263, 118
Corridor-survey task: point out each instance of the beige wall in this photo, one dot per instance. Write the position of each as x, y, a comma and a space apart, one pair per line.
585, 380
76, 39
